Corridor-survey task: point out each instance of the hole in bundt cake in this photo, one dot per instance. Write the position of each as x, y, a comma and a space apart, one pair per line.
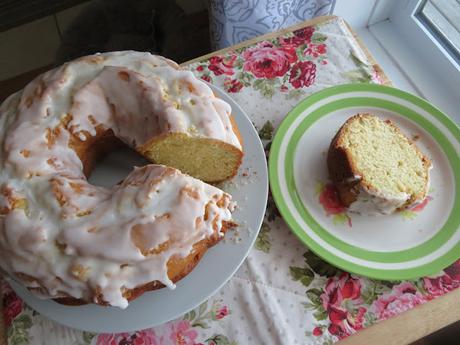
110, 160
106, 159
115, 166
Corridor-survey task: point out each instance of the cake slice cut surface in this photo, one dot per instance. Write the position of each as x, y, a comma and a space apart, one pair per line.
375, 167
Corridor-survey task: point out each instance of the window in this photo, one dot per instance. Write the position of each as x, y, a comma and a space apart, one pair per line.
442, 20
420, 49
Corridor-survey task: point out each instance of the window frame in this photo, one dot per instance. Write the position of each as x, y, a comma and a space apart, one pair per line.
406, 50
436, 33
422, 42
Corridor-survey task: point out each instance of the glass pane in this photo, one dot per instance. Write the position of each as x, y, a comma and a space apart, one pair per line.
444, 17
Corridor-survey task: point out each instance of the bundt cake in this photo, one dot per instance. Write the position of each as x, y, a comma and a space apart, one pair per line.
375, 167
75, 242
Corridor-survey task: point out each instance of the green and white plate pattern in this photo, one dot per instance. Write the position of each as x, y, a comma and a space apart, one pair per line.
414, 243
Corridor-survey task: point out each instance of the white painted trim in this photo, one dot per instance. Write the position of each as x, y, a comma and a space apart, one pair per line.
405, 50
355, 12
389, 64
420, 39
363, 13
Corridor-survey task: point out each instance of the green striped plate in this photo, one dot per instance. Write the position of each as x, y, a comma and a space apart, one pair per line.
416, 242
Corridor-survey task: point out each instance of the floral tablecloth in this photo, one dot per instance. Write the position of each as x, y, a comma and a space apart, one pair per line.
283, 293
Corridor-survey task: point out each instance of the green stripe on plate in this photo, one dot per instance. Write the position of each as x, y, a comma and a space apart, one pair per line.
445, 233
448, 229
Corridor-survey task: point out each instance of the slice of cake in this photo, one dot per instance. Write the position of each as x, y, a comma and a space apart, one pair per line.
375, 167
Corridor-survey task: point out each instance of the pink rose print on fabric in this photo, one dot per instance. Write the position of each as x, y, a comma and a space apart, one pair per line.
441, 285
267, 61
339, 289
280, 65
453, 271
338, 292
303, 74
403, 297
301, 36
412, 212
220, 313
206, 78
317, 331
377, 76
345, 323
12, 307
181, 333
145, 337
232, 85
315, 50
329, 199
422, 205
290, 53
222, 64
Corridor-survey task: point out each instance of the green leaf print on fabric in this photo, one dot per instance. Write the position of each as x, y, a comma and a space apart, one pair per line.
245, 78
339, 219
362, 74
219, 339
318, 38
357, 76
387, 283
266, 87
18, 332
302, 274
408, 214
320, 314
300, 55
420, 285
314, 295
263, 240
295, 94
370, 293
190, 315
328, 341
369, 319
266, 132
201, 319
272, 211
319, 266
88, 337
315, 304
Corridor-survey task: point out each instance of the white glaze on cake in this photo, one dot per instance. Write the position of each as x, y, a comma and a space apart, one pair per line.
75, 238
374, 203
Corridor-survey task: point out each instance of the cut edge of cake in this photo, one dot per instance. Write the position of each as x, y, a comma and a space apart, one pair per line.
362, 181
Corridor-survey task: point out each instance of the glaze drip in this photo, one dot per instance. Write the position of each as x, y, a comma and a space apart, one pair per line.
66, 237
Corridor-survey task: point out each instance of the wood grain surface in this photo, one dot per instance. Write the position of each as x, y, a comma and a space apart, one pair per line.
412, 324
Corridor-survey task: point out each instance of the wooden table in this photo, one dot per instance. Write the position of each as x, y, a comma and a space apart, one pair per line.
408, 326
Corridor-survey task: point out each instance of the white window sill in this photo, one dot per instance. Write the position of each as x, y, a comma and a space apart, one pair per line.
407, 70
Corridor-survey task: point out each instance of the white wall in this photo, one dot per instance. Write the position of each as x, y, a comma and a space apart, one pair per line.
361, 13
